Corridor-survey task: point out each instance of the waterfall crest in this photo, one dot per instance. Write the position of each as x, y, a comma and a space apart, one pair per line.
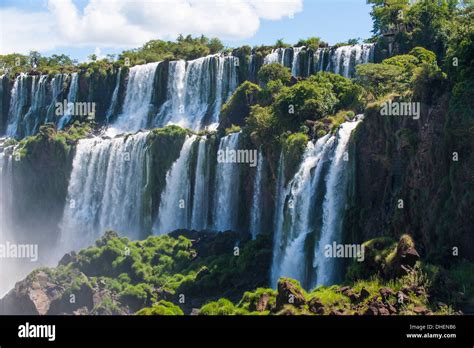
137, 104
304, 62
197, 90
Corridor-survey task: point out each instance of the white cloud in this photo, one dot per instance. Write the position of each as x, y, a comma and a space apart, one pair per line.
125, 23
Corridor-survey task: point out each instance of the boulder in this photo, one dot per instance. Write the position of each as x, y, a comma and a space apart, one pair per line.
262, 303
316, 306
31, 296
289, 292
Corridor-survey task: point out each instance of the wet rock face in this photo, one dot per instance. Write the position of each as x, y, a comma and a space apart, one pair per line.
403, 158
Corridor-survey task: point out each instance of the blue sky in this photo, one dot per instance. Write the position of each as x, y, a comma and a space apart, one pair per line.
81, 27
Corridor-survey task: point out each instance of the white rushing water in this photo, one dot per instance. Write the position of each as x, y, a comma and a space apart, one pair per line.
197, 90
174, 211
226, 194
137, 104
333, 206
201, 187
341, 60
105, 190
114, 101
322, 168
32, 118
256, 211
18, 100
7, 269
295, 65
71, 98
33, 102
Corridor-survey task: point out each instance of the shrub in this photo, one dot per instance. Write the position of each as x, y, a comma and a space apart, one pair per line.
161, 308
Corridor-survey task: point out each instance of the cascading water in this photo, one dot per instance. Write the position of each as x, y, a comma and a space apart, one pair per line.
256, 212
114, 101
283, 56
341, 60
105, 190
57, 89
18, 100
71, 98
15, 268
344, 59
34, 117
295, 65
6, 273
201, 188
174, 211
300, 203
196, 91
137, 104
226, 194
33, 102
333, 206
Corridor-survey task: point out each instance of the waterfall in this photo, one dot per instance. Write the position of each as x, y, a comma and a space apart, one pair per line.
316, 192
283, 56
333, 206
33, 118
341, 60
344, 59
256, 212
201, 188
12, 269
174, 211
114, 101
33, 102
197, 90
296, 207
105, 190
57, 90
226, 195
18, 100
137, 104
71, 98
5, 198
295, 65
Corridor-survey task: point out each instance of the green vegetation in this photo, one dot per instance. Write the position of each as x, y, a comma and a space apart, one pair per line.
161, 308
187, 48
149, 277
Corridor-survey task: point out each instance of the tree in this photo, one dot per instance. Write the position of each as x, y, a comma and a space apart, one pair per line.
215, 45
312, 43
34, 58
387, 14
274, 72
305, 100
281, 44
